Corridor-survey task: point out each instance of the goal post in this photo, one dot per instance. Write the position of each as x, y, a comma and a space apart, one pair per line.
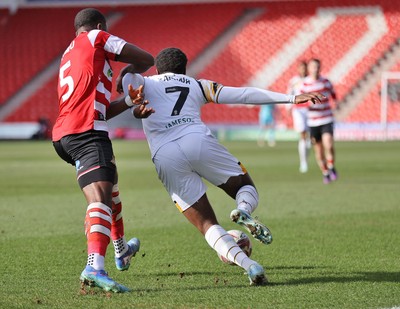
385, 95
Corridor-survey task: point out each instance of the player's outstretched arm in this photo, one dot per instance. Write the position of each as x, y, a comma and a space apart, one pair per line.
253, 96
257, 96
134, 97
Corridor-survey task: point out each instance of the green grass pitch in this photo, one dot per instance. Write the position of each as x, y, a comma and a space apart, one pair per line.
335, 246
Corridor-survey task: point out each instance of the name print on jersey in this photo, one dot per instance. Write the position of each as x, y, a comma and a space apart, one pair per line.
179, 121
181, 79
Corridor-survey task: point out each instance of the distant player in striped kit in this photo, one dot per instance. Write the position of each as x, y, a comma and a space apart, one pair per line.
80, 137
185, 152
321, 120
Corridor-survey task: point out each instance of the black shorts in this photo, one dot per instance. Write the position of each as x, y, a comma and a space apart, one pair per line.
92, 155
316, 132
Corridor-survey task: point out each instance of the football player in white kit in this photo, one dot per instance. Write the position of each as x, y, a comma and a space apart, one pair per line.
299, 114
184, 150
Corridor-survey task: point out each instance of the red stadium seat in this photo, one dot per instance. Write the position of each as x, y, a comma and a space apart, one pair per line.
29, 50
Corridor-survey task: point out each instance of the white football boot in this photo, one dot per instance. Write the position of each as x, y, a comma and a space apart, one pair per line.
258, 230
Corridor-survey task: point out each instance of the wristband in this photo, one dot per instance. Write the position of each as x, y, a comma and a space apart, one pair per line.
128, 101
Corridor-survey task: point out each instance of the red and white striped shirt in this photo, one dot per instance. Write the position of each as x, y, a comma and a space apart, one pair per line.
85, 83
319, 114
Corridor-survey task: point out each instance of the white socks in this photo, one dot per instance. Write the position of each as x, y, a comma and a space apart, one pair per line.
120, 246
247, 199
96, 261
303, 154
225, 245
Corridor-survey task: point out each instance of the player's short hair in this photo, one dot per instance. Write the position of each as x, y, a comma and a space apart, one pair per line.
302, 63
89, 18
316, 60
171, 60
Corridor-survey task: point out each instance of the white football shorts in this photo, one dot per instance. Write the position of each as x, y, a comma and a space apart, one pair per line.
300, 119
181, 164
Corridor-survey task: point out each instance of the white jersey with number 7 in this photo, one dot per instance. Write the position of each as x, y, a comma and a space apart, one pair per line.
177, 100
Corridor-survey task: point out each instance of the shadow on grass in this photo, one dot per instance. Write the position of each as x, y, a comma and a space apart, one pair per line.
350, 277
222, 283
220, 273
298, 267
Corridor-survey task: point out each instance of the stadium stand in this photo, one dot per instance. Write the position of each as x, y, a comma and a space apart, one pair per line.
168, 31
369, 110
264, 53
272, 33
189, 27
31, 39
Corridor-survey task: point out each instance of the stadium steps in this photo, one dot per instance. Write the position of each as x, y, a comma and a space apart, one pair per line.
221, 41
369, 110
262, 38
372, 77
29, 41
17, 107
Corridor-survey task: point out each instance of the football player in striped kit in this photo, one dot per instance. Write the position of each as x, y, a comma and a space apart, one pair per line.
321, 120
184, 151
80, 137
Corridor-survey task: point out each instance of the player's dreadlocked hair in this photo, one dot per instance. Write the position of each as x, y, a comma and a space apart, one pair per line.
89, 18
171, 60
